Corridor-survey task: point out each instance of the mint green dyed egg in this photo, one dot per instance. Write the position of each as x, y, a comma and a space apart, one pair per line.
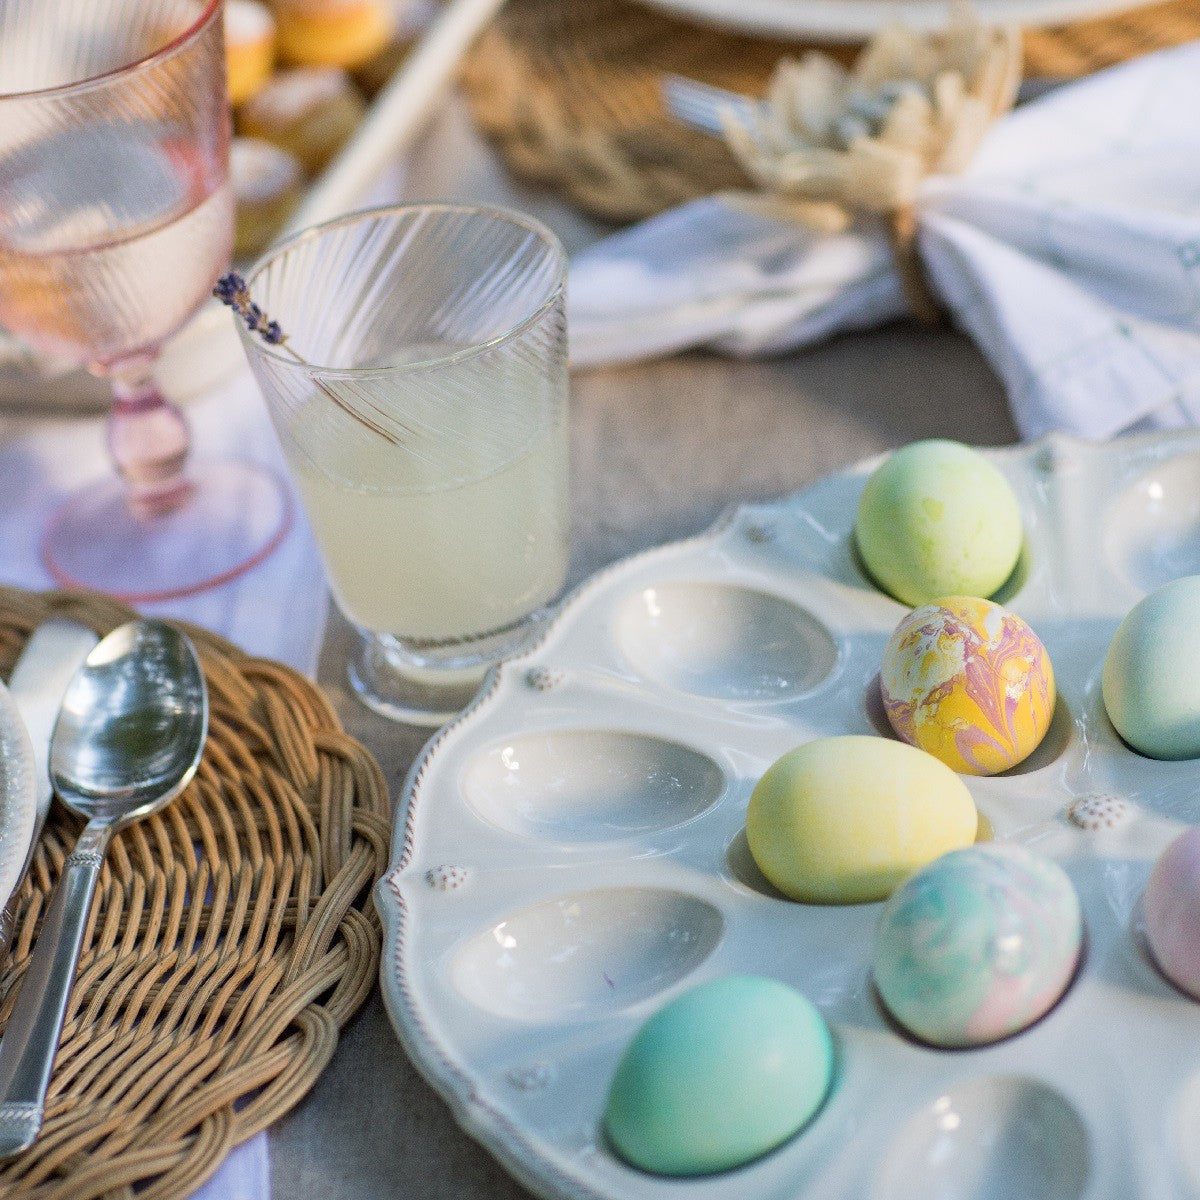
1151, 680
937, 519
718, 1077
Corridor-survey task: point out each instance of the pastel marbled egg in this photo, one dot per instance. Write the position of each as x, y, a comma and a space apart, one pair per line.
1170, 906
978, 945
970, 683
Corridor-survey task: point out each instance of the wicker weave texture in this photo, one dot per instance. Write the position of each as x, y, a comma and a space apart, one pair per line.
232, 935
569, 90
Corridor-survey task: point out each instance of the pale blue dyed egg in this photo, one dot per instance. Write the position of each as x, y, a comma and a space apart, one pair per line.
1151, 681
719, 1076
977, 945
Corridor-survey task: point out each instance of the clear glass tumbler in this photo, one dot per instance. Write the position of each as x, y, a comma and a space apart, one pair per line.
421, 401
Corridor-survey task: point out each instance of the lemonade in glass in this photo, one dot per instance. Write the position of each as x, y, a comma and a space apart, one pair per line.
420, 398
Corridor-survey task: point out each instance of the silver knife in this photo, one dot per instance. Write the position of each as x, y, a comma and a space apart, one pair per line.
50, 658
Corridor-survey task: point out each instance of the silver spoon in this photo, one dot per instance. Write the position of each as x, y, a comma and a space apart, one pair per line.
127, 741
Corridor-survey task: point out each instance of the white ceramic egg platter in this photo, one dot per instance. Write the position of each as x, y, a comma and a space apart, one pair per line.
571, 855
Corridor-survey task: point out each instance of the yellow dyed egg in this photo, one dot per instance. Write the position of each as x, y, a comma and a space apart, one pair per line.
969, 682
843, 820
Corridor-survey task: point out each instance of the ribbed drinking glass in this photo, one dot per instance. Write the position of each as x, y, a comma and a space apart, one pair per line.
421, 401
116, 217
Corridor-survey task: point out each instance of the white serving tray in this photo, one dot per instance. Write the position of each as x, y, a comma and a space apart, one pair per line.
858, 20
570, 855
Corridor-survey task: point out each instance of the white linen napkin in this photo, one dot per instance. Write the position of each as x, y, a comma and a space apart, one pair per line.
1069, 250
277, 610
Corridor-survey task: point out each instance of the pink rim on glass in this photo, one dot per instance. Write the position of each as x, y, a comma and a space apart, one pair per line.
116, 218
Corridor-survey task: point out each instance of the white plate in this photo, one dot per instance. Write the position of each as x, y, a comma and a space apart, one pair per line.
18, 795
571, 856
858, 20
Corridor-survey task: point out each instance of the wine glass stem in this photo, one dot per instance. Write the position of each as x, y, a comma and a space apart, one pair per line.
148, 439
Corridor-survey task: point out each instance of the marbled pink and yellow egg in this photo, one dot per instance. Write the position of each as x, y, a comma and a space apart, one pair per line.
970, 683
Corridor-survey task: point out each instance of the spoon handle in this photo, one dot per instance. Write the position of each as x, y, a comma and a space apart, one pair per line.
30, 1039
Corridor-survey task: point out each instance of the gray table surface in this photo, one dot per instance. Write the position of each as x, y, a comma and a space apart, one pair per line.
659, 451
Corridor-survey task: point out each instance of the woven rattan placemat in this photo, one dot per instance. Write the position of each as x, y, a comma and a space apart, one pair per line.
231, 939
568, 89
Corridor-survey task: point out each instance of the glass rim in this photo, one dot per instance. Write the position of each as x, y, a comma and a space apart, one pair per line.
511, 216
210, 8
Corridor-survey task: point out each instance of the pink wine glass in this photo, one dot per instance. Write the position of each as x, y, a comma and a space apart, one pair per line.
116, 218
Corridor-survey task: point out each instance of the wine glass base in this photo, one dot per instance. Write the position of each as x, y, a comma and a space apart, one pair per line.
429, 685
234, 518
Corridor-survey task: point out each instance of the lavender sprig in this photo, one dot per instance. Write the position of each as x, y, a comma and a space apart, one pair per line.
231, 289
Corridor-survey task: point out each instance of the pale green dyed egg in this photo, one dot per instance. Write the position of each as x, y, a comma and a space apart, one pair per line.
719, 1076
937, 519
1151, 680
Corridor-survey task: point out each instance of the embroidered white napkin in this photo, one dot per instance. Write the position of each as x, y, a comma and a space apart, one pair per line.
276, 610
1069, 250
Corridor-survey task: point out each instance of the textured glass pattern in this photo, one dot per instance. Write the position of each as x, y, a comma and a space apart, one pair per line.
428, 437
115, 211
116, 218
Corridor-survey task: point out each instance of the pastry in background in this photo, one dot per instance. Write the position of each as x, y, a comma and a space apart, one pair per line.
267, 184
333, 33
249, 47
310, 112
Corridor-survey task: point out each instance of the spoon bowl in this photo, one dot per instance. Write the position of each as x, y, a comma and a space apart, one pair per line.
127, 741
131, 729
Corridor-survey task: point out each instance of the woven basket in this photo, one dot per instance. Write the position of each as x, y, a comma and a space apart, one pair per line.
231, 938
569, 91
